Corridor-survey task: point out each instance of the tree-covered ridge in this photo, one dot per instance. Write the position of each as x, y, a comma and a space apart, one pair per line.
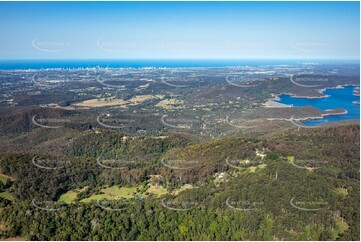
279, 197
208, 217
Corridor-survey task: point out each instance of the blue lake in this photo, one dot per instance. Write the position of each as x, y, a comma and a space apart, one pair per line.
338, 98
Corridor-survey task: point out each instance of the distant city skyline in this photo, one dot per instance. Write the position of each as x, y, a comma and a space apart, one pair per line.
180, 30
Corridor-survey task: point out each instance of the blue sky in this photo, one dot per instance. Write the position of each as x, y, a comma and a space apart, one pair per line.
227, 30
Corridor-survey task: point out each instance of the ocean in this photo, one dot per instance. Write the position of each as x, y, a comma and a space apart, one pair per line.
141, 63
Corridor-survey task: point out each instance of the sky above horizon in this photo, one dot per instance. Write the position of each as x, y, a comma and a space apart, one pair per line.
224, 30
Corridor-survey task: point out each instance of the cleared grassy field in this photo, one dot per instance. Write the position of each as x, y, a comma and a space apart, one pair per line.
176, 191
112, 101
140, 98
171, 103
5, 178
157, 191
102, 102
113, 192
70, 196
6, 195
341, 191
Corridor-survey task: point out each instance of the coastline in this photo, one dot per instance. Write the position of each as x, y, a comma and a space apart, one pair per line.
311, 118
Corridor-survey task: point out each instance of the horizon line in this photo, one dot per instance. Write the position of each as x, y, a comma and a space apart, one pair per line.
186, 58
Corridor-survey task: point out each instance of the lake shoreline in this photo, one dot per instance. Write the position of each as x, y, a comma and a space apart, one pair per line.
276, 97
328, 110
311, 118
322, 116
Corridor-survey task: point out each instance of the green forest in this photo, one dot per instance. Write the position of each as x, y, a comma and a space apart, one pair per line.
288, 194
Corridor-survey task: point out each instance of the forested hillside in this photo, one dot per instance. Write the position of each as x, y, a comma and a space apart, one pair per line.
299, 185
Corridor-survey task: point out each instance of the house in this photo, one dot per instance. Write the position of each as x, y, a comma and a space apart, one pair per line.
222, 175
244, 162
260, 154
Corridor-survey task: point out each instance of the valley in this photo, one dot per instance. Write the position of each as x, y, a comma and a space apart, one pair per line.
176, 154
